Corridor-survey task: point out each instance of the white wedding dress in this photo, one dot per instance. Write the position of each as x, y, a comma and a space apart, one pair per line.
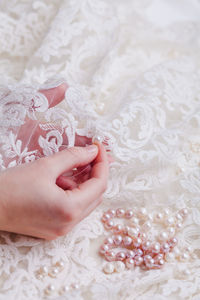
133, 70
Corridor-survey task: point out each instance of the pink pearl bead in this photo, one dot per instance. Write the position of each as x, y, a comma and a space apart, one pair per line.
120, 212
105, 217
129, 214
110, 256
104, 248
139, 252
143, 236
130, 263
155, 247
118, 228
112, 213
146, 245
138, 260
137, 242
109, 241
173, 242
120, 256
125, 230
165, 247
127, 241
183, 212
130, 254
109, 224
117, 240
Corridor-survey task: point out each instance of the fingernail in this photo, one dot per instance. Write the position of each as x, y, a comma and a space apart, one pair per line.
92, 148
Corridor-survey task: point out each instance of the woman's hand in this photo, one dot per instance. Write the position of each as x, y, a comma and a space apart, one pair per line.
32, 203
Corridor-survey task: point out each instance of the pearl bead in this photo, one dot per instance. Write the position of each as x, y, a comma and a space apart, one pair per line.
40, 276
179, 225
50, 289
120, 212
161, 262
54, 272
109, 224
138, 260
171, 231
119, 266
147, 225
142, 212
118, 228
75, 286
176, 251
134, 221
101, 106
129, 214
137, 242
130, 263
44, 270
183, 212
117, 240
127, 241
112, 213
109, 241
184, 256
105, 217
163, 236
188, 249
159, 217
130, 254
169, 221
104, 248
186, 272
150, 217
60, 264
108, 268
139, 252
97, 138
166, 212
110, 256
169, 256
120, 256
143, 236
126, 229
173, 242
156, 248
146, 245
132, 232
179, 217
165, 247
64, 289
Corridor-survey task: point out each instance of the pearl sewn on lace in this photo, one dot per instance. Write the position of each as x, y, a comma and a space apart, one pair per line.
130, 246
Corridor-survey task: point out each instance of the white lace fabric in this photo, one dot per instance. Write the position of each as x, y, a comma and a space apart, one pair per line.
134, 75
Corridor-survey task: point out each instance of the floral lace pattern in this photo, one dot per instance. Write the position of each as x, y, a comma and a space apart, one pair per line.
132, 78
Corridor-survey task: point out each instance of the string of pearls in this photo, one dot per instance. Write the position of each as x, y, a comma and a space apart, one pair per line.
133, 244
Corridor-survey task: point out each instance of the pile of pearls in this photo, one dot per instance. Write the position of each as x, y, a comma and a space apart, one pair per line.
53, 271
133, 245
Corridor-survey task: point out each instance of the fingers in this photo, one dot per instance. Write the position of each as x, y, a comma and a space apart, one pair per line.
55, 95
92, 189
70, 158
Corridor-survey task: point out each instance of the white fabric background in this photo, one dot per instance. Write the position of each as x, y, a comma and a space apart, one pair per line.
137, 63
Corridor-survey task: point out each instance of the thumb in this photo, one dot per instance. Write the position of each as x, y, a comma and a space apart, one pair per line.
70, 158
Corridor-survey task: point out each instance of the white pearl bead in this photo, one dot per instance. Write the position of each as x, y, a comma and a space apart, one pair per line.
179, 225
159, 217
127, 241
44, 270
169, 221
54, 272
156, 247
169, 256
161, 262
183, 212
130, 254
147, 225
150, 217
171, 231
142, 213
188, 249
50, 289
64, 289
132, 232
166, 212
119, 266
97, 138
146, 245
129, 214
163, 236
179, 217
184, 256
75, 286
108, 268
101, 106
137, 242
134, 221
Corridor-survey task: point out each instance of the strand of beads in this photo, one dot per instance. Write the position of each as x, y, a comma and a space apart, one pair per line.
133, 245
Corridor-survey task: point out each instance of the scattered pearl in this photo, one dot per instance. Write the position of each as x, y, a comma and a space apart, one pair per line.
108, 268
50, 289
119, 266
